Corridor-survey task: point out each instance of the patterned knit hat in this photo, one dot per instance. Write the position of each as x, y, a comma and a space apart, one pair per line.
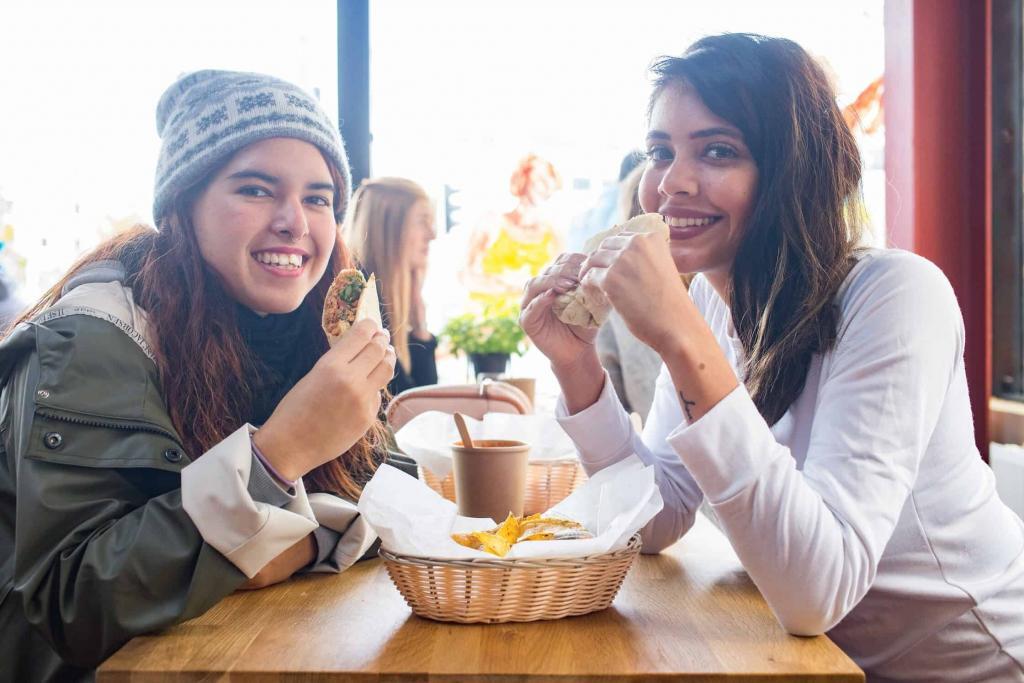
208, 115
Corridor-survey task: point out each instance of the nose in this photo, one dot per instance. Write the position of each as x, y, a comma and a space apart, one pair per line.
290, 220
679, 179
431, 231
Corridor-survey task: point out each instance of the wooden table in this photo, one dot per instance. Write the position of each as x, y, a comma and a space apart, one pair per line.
689, 614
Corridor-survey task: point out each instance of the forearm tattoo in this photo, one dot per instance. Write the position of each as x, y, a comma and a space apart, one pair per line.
686, 406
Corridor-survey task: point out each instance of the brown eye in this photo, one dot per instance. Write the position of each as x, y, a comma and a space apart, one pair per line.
656, 154
720, 150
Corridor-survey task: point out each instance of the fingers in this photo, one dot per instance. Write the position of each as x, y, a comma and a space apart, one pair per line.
602, 258
375, 350
609, 251
384, 370
534, 312
562, 275
357, 337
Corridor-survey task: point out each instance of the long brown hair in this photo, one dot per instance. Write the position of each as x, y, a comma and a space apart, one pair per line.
375, 231
202, 359
800, 240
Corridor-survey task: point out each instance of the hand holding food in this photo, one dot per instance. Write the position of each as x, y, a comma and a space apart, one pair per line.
563, 344
587, 305
338, 400
638, 276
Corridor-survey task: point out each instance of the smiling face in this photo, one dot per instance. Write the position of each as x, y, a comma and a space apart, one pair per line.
419, 232
265, 223
702, 179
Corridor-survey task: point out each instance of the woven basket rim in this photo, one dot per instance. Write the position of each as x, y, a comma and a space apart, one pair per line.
632, 547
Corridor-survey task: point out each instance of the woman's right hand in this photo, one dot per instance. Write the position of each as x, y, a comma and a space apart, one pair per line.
333, 406
565, 345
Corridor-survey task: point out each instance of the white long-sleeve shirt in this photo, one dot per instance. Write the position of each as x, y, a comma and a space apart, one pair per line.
866, 511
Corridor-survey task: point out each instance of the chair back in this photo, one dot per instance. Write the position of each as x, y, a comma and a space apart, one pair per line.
472, 400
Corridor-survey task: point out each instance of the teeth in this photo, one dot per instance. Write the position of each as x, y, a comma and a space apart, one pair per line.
689, 222
287, 261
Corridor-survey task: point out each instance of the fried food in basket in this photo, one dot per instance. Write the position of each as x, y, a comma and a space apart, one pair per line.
499, 540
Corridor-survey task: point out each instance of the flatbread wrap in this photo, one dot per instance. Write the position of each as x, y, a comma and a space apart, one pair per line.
350, 299
589, 308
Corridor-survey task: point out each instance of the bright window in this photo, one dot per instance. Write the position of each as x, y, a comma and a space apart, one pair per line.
79, 87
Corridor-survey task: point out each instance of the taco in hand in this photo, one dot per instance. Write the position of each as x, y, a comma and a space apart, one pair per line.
350, 299
591, 310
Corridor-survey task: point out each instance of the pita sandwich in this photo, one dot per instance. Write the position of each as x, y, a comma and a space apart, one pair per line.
584, 309
350, 299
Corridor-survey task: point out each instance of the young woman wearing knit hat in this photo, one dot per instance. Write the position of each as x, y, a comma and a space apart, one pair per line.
812, 391
175, 426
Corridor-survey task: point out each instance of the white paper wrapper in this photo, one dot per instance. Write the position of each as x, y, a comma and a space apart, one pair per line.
412, 519
428, 437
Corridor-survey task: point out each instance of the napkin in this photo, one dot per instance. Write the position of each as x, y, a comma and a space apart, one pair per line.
412, 519
428, 437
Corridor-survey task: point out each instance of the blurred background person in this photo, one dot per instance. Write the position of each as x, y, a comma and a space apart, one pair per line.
505, 253
389, 229
608, 209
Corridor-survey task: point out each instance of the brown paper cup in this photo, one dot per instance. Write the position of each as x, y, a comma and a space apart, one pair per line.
490, 479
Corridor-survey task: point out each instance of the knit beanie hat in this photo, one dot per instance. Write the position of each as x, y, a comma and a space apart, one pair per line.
208, 115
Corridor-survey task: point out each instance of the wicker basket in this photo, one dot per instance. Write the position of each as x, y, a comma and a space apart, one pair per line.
547, 483
492, 590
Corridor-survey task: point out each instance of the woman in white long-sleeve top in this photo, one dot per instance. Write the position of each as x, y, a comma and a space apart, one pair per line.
813, 392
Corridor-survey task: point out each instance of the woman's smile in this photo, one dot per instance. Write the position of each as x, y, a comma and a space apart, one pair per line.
282, 261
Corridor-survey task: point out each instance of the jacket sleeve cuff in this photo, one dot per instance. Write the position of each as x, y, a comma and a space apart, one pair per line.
249, 533
725, 450
601, 431
343, 537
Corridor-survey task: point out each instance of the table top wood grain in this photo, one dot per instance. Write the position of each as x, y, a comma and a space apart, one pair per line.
688, 614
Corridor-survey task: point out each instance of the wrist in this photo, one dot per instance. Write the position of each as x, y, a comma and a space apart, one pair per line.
581, 381
271, 451
677, 339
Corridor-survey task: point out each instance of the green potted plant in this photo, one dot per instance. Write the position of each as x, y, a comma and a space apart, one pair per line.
488, 340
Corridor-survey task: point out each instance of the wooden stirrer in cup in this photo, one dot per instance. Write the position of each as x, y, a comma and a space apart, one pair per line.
460, 422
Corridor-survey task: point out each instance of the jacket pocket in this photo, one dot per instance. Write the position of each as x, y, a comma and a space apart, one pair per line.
84, 441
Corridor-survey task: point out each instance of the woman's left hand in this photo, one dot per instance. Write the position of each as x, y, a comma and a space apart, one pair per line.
636, 273
282, 567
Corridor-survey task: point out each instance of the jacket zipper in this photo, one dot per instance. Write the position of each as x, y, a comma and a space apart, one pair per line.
129, 427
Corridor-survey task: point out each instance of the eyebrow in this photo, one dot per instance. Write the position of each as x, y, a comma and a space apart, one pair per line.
274, 180
703, 133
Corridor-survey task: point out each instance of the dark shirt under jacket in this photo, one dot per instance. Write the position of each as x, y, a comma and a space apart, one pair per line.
424, 366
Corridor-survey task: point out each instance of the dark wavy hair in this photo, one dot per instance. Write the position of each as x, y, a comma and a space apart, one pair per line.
203, 362
806, 222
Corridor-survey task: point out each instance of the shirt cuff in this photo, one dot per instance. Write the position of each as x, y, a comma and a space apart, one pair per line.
601, 431
265, 488
248, 532
326, 543
726, 449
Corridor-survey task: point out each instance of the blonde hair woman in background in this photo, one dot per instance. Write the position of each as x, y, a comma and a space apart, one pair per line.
389, 230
